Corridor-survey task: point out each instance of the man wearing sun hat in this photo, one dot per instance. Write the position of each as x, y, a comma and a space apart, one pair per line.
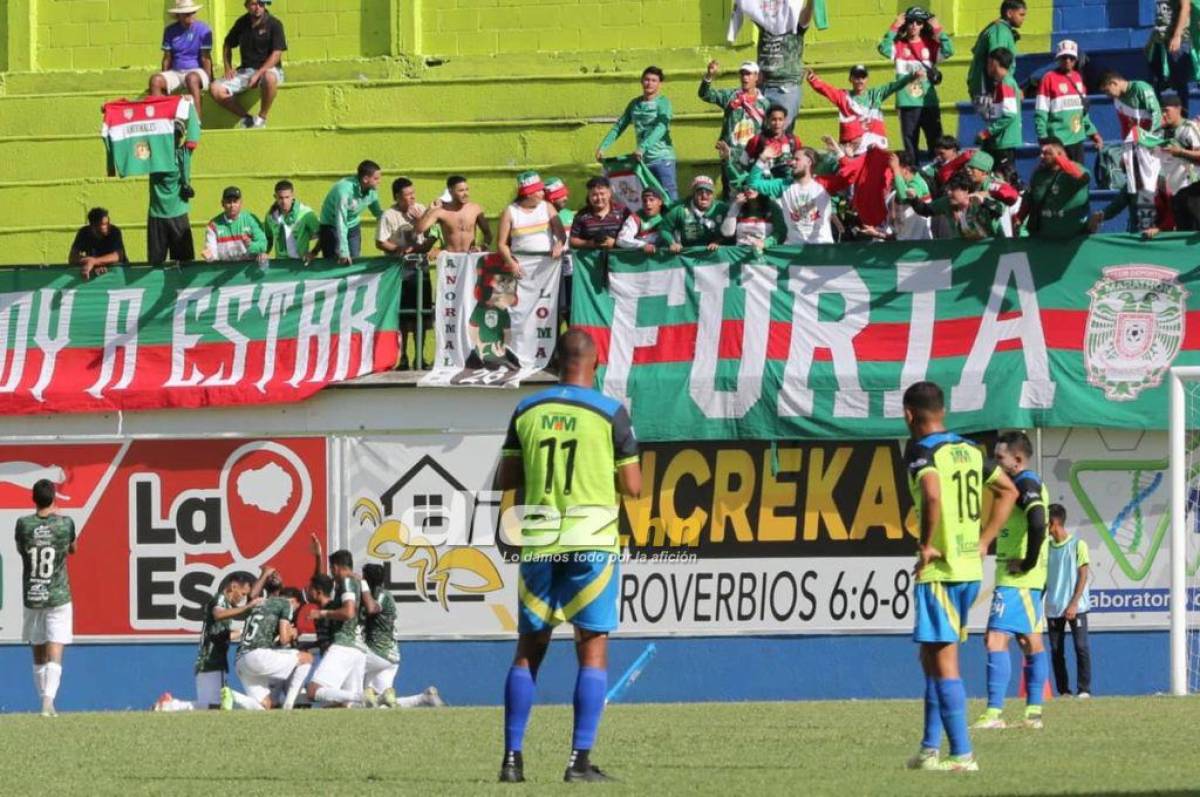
187, 54
696, 222
1060, 110
745, 108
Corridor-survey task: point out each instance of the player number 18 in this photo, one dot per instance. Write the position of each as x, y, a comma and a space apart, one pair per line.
41, 562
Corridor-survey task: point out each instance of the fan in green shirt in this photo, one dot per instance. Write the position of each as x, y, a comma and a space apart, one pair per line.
1056, 202
1001, 33
291, 225
343, 206
696, 222
650, 115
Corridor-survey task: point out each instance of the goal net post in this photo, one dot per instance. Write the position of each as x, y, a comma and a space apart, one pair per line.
1184, 452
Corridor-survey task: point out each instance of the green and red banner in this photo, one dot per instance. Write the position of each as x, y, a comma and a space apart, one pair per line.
820, 342
202, 335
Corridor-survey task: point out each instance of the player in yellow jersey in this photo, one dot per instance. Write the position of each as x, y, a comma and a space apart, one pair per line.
1022, 552
947, 475
569, 451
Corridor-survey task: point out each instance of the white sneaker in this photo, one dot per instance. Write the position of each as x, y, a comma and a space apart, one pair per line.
1084, 695
257, 122
926, 758
246, 122
432, 698
48, 708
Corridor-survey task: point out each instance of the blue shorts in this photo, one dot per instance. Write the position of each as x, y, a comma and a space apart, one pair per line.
578, 588
1016, 610
941, 610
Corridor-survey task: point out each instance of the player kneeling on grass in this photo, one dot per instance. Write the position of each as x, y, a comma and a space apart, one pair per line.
947, 475
378, 617
44, 539
568, 451
338, 678
265, 662
1022, 552
238, 595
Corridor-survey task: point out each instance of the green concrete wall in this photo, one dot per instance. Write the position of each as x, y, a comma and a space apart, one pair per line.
395, 81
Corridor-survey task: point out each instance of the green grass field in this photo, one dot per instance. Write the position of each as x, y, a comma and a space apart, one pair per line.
1107, 745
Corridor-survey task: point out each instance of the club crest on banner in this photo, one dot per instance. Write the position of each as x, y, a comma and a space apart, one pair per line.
1135, 328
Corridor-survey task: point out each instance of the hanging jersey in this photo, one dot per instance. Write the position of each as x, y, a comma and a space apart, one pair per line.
139, 135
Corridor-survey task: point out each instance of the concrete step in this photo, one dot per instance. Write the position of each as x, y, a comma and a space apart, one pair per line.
390, 100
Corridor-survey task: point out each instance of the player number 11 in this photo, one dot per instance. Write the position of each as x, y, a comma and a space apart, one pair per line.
568, 446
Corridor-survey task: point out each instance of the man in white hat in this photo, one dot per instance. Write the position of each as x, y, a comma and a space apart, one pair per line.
695, 222
1060, 111
745, 108
187, 54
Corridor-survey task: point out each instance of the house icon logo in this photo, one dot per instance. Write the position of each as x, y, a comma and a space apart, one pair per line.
435, 554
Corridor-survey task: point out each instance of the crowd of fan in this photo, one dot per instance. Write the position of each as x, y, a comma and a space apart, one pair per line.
774, 189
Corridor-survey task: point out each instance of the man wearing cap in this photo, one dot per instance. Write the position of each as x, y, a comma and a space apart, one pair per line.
1060, 110
999, 34
774, 143
917, 42
696, 222
1169, 50
187, 54
529, 225
340, 233
261, 42
234, 235
1056, 204
1180, 155
979, 170
745, 109
860, 110
1002, 136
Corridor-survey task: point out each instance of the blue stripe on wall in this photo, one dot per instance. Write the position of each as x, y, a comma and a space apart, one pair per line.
118, 677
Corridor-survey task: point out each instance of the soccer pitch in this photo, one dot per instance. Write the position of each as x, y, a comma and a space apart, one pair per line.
1106, 745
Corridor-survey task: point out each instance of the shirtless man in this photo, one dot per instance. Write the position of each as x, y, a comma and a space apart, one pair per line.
458, 219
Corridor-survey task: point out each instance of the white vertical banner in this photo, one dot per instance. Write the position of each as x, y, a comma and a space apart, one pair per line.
493, 326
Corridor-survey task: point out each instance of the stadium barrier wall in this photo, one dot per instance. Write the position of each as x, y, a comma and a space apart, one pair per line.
147, 589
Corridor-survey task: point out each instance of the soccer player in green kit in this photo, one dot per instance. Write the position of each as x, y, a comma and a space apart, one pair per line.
265, 662
1022, 554
44, 539
568, 452
947, 475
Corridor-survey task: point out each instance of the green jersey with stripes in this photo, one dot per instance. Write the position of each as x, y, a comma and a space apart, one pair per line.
262, 624
213, 655
963, 473
571, 441
345, 632
379, 629
43, 544
1012, 544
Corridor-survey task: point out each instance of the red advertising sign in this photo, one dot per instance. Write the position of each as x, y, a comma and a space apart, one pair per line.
161, 522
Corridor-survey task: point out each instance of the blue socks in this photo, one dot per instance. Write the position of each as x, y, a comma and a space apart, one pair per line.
932, 740
518, 703
1036, 672
952, 699
999, 672
591, 685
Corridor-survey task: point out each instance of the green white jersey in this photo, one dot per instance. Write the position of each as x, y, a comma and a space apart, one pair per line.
43, 543
261, 628
345, 632
213, 655
380, 629
1012, 544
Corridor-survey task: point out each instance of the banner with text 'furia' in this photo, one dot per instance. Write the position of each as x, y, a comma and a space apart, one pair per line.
202, 335
820, 342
